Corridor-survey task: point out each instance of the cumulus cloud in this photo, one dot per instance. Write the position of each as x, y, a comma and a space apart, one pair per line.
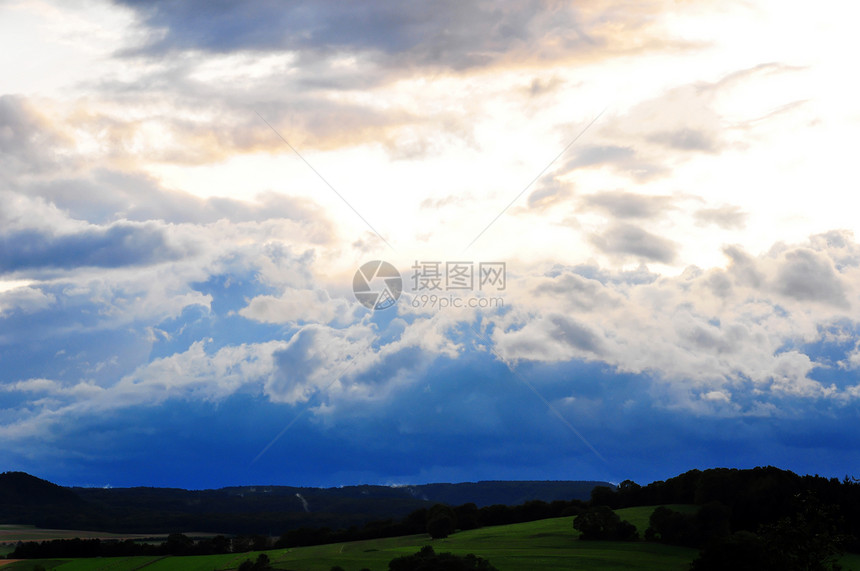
579, 292
647, 141
548, 193
628, 240
457, 35
551, 338
298, 306
27, 143
25, 299
807, 275
194, 374
117, 245
323, 61
686, 140
105, 196
621, 204
622, 158
729, 217
714, 333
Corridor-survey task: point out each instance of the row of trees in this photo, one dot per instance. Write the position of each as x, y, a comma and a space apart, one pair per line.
176, 544
754, 497
428, 560
439, 521
808, 540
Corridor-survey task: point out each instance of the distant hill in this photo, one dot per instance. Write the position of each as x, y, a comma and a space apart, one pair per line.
506, 492
27, 499
22, 489
251, 509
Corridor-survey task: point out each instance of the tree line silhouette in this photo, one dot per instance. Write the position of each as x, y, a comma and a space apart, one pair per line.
439, 521
760, 519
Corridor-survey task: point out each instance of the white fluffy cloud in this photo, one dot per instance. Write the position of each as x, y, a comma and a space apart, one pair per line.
706, 331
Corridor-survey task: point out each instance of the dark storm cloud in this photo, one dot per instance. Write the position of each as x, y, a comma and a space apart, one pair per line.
630, 240
450, 33
629, 204
118, 245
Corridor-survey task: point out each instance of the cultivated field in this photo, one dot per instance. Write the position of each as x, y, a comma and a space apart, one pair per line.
15, 533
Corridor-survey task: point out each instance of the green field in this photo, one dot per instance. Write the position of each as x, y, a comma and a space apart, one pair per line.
547, 544
541, 545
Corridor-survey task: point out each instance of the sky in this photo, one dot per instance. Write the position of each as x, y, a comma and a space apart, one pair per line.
622, 238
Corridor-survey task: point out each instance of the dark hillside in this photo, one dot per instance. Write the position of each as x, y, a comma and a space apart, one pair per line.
30, 500
25, 499
21, 489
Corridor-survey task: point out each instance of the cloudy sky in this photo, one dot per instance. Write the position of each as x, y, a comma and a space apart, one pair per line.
187, 190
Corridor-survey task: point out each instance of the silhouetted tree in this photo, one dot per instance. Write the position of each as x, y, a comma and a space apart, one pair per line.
600, 522
260, 543
741, 551
709, 523
220, 544
240, 544
468, 516
441, 521
808, 540
178, 544
604, 496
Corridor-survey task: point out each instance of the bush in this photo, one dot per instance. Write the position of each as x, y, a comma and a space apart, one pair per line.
429, 560
262, 564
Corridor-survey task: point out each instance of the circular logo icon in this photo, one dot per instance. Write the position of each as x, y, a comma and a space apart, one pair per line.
377, 285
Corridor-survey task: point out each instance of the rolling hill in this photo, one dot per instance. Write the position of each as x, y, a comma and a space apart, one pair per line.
25, 499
